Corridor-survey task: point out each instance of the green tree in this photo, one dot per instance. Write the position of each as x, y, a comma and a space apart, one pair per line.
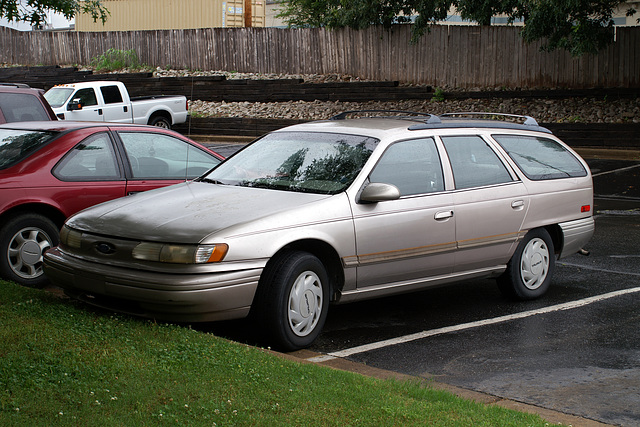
34, 12
579, 26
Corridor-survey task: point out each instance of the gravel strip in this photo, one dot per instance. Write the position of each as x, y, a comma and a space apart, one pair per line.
571, 110
568, 110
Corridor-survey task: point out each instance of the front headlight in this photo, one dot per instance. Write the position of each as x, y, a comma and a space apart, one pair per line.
70, 237
180, 254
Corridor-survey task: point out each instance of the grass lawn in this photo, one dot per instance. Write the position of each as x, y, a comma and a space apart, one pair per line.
63, 364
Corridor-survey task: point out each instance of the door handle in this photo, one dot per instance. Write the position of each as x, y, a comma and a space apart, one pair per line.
517, 204
441, 216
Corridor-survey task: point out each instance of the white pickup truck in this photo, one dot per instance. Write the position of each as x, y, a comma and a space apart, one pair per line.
109, 101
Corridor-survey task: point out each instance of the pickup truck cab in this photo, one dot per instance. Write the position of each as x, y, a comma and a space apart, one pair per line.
109, 101
21, 103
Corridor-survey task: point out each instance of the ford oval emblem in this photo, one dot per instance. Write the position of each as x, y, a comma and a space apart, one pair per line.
105, 248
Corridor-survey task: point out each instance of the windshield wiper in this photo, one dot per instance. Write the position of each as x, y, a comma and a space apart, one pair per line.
211, 181
531, 159
263, 184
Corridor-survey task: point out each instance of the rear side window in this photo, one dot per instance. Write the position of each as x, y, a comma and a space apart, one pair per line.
541, 158
91, 160
474, 163
22, 107
111, 94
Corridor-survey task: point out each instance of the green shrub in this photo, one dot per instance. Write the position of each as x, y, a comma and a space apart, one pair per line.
438, 95
116, 59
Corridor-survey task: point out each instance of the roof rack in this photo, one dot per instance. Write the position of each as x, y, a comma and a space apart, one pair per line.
528, 120
432, 118
11, 84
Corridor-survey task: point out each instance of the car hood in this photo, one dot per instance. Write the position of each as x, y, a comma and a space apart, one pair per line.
189, 212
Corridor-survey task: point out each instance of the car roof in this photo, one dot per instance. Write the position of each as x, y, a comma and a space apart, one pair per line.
379, 126
65, 125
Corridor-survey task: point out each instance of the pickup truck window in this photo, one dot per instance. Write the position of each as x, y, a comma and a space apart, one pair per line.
20, 107
111, 94
57, 96
87, 97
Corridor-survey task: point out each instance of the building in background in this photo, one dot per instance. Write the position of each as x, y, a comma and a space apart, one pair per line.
130, 15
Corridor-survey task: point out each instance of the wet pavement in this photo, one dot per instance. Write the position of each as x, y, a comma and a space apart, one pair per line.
583, 360
576, 350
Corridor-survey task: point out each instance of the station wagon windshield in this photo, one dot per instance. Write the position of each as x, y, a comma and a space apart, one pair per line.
324, 163
16, 145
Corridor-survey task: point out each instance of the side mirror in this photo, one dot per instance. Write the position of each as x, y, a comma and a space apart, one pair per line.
379, 192
74, 105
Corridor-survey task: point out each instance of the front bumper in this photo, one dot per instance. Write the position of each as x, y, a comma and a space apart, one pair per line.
161, 296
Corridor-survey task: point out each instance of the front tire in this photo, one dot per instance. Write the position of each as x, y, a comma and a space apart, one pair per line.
23, 241
529, 270
292, 300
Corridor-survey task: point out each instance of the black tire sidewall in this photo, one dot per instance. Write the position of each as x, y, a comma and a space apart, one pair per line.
155, 120
511, 283
272, 298
9, 230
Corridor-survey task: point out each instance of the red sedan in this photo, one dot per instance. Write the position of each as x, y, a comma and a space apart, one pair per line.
50, 170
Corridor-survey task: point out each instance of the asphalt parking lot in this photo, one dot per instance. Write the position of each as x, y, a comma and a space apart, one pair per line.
575, 351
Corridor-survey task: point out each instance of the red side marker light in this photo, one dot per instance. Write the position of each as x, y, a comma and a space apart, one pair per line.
585, 208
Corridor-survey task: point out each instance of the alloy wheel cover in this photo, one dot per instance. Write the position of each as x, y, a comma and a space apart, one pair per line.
25, 252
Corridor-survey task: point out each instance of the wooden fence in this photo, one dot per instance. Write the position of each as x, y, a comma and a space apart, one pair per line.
455, 56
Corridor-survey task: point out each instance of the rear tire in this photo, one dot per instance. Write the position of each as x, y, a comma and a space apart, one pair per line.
292, 300
160, 121
23, 241
530, 269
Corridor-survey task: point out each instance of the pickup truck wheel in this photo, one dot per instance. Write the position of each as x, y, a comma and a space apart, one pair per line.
292, 300
160, 121
529, 270
23, 241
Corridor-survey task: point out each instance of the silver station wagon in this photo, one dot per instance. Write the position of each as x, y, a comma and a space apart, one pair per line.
332, 212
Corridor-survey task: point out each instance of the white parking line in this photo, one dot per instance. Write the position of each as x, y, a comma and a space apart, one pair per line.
455, 328
615, 170
602, 270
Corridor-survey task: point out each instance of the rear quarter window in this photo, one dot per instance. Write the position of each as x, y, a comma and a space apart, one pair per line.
16, 145
541, 158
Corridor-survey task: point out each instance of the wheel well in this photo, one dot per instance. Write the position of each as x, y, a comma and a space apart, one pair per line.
48, 211
161, 113
556, 237
326, 254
